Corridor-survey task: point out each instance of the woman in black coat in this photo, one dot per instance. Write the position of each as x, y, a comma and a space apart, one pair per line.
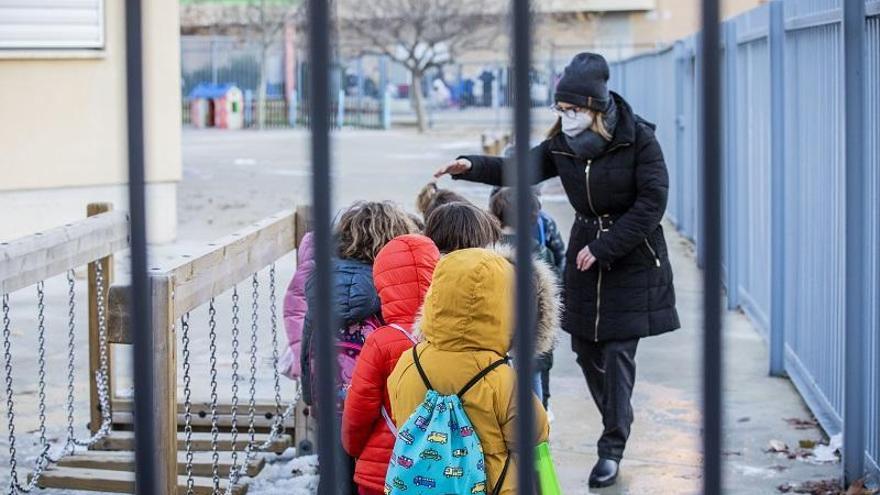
618, 280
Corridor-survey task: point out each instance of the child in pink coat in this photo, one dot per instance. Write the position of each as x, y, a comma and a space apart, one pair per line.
295, 308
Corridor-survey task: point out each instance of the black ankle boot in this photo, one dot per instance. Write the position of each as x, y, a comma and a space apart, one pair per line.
604, 473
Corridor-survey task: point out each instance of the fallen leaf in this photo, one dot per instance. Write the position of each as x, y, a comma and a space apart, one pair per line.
807, 444
802, 424
777, 446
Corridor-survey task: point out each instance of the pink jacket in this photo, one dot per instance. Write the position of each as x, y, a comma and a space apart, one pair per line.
295, 307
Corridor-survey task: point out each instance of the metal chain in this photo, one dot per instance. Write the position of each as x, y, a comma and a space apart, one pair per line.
187, 405
234, 403
41, 367
69, 445
273, 312
10, 400
215, 431
102, 375
252, 404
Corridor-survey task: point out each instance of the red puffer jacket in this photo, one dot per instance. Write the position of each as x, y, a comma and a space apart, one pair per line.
402, 274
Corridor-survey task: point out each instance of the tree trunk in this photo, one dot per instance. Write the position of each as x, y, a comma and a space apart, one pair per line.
261, 89
417, 98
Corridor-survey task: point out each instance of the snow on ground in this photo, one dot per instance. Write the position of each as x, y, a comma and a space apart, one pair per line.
287, 475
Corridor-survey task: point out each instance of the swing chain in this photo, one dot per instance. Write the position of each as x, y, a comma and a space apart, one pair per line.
215, 431
234, 403
10, 403
41, 365
102, 375
252, 404
275, 355
187, 404
69, 445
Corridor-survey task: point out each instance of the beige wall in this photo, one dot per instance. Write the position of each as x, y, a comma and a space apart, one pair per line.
674, 19
64, 118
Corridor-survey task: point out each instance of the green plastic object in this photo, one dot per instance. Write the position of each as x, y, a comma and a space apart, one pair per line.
548, 482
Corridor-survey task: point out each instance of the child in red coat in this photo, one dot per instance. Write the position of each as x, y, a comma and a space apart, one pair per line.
402, 274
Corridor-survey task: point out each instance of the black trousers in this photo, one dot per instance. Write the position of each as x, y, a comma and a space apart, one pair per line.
610, 370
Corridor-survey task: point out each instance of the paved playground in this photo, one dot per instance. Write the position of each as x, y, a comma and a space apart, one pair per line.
232, 179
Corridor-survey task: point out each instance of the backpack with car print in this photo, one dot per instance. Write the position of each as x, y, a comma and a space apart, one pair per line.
437, 450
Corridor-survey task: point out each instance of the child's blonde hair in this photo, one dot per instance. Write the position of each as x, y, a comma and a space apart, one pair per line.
431, 197
364, 229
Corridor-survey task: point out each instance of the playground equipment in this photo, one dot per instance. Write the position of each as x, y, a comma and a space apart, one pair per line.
208, 446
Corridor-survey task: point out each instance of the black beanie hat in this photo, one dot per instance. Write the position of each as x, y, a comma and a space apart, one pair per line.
584, 82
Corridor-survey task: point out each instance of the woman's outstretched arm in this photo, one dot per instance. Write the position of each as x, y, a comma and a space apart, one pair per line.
489, 169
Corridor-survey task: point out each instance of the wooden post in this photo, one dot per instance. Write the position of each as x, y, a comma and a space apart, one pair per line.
94, 356
164, 418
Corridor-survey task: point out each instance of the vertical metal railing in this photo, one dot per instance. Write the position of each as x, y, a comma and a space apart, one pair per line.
777, 184
710, 237
856, 320
146, 450
330, 458
525, 311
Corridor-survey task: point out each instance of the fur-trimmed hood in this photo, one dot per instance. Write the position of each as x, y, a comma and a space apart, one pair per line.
547, 292
549, 304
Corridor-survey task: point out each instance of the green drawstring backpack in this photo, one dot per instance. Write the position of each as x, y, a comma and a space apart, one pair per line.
548, 482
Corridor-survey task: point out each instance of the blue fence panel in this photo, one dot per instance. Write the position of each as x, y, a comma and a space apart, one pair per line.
814, 223
873, 111
752, 176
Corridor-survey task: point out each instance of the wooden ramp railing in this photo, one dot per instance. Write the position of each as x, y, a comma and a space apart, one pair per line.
178, 288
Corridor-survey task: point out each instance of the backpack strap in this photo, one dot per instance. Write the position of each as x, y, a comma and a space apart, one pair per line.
421, 370
500, 484
482, 374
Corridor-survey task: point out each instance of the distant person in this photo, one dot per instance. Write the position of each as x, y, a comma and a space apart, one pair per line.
618, 281
487, 77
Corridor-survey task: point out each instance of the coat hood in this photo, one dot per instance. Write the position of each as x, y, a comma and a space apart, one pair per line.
547, 294
469, 306
402, 273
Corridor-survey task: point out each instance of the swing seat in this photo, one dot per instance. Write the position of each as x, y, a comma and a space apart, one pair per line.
105, 480
201, 441
124, 461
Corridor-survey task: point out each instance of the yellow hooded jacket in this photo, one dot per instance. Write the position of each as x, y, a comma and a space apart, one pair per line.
467, 324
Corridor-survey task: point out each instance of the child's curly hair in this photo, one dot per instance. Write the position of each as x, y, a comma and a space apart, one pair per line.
366, 226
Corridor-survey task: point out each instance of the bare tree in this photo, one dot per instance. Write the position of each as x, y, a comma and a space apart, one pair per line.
418, 34
265, 21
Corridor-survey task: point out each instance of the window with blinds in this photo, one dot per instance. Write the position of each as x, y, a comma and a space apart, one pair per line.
51, 24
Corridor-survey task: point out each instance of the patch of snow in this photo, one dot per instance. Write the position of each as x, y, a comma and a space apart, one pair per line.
286, 474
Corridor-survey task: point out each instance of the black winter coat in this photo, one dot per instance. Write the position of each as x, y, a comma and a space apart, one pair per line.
619, 199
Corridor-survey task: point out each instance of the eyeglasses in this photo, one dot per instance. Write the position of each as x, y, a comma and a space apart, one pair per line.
570, 112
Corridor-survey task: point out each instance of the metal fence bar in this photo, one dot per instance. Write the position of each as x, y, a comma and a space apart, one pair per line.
525, 312
732, 213
777, 188
856, 314
146, 451
329, 456
710, 236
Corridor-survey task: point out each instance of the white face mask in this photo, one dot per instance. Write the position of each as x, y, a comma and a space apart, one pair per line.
572, 126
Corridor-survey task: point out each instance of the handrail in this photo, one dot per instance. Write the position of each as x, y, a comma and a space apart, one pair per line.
30, 259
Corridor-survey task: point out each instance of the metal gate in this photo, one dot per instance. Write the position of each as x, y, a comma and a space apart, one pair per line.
838, 374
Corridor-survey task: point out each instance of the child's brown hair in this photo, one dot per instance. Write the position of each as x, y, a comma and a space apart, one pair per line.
460, 225
431, 197
365, 227
501, 205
